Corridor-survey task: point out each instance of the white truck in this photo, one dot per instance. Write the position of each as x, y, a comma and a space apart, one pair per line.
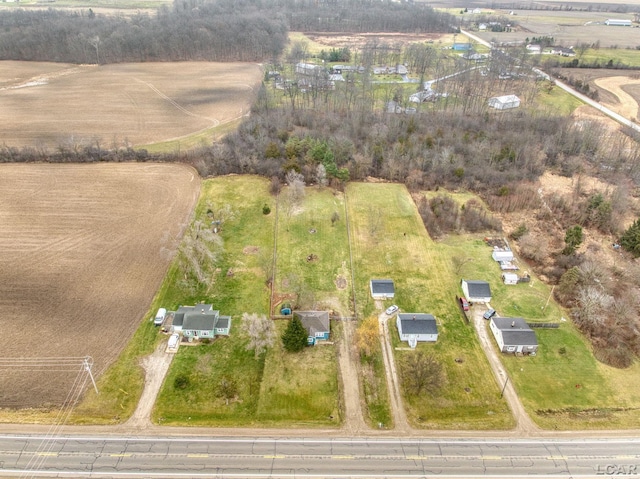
159, 319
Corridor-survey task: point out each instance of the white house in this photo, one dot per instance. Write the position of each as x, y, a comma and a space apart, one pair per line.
513, 335
476, 291
382, 289
505, 102
417, 327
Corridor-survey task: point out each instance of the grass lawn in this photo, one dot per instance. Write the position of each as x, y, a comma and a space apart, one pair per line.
313, 269
277, 388
563, 386
557, 102
390, 241
616, 56
300, 389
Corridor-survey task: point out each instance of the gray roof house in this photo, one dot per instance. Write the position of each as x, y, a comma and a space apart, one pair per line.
200, 321
476, 291
514, 335
316, 323
414, 327
382, 289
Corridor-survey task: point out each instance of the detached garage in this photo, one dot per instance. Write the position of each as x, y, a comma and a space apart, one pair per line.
476, 291
382, 289
504, 102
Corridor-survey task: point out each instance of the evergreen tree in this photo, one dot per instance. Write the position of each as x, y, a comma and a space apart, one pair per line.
573, 239
294, 338
631, 239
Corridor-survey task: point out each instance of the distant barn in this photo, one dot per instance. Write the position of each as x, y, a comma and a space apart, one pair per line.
505, 102
617, 22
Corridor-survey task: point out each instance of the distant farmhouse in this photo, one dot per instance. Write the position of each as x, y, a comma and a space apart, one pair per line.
417, 327
316, 323
616, 22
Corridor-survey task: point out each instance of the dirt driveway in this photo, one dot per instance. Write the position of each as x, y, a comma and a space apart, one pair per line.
524, 425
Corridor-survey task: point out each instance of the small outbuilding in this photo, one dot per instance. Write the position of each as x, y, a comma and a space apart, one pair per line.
505, 102
417, 327
502, 255
476, 291
514, 335
382, 289
510, 278
316, 323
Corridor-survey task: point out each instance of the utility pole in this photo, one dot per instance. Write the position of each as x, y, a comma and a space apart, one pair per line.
504, 387
87, 362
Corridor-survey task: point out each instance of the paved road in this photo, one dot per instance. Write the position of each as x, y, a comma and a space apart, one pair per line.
233, 457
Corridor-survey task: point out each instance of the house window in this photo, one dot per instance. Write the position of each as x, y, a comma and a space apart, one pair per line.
205, 333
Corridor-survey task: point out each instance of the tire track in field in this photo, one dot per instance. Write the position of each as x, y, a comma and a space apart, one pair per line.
176, 104
628, 105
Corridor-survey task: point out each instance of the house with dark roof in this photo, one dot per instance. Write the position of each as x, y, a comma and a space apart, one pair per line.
382, 289
200, 322
316, 323
476, 291
417, 327
514, 335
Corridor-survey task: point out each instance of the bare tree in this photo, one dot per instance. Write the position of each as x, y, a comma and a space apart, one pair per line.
198, 253
368, 336
321, 175
260, 330
421, 372
227, 388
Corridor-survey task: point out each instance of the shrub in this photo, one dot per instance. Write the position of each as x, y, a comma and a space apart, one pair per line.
266, 210
181, 381
294, 338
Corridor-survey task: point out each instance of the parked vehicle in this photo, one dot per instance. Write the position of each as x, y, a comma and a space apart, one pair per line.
174, 339
391, 309
489, 313
159, 319
464, 304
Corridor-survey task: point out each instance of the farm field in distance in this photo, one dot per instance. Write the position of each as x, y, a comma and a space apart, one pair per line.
47, 105
85, 248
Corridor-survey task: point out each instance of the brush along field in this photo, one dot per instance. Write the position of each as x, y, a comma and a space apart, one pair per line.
51, 105
84, 250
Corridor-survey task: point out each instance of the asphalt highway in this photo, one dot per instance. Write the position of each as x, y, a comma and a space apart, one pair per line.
233, 457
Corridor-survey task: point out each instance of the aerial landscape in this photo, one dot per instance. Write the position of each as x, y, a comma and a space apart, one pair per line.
271, 225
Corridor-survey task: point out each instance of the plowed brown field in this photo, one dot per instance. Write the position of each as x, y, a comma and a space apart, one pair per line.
84, 248
54, 104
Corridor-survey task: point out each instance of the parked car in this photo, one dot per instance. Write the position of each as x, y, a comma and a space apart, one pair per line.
159, 319
489, 313
391, 309
464, 304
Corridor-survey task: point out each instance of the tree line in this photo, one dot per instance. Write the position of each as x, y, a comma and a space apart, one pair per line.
200, 30
191, 30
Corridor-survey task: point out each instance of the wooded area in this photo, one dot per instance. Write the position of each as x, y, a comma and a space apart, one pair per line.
196, 30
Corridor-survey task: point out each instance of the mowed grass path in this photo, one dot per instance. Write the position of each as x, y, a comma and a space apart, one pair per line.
390, 241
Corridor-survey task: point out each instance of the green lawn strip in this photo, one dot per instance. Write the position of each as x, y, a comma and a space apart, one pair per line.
557, 102
299, 389
195, 140
617, 56
313, 253
390, 241
205, 365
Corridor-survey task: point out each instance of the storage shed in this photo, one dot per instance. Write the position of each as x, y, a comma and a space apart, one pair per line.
505, 102
502, 255
382, 289
510, 278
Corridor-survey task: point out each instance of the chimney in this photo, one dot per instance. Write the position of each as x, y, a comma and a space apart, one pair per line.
513, 324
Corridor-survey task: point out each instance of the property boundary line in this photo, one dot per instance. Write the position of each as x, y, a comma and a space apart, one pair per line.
353, 273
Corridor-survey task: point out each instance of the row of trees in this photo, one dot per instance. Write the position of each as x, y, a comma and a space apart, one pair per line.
204, 31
